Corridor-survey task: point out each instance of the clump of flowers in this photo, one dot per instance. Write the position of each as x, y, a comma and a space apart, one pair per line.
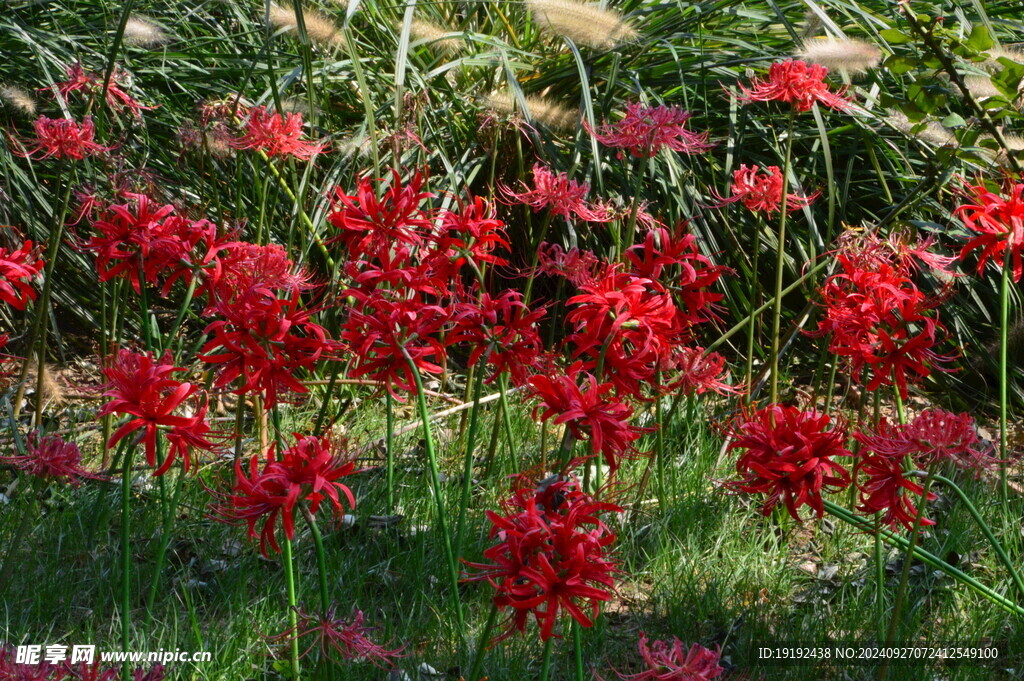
50, 457
339, 639
795, 82
761, 191
501, 328
61, 138
17, 269
643, 131
551, 556
788, 455
997, 219
308, 473
672, 661
91, 85
563, 197
276, 135
141, 388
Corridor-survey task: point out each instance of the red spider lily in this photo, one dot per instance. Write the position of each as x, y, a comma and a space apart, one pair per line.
998, 220
369, 225
50, 457
276, 135
671, 661
265, 339
339, 638
383, 329
938, 436
141, 387
17, 268
91, 85
562, 196
472, 232
644, 131
885, 487
867, 250
788, 455
242, 271
797, 83
549, 560
880, 322
579, 267
503, 329
761, 191
590, 413
697, 372
140, 240
308, 472
60, 138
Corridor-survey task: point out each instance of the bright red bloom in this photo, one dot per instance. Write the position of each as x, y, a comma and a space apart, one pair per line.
382, 330
590, 412
472, 232
244, 273
91, 85
938, 436
579, 267
61, 138
335, 636
549, 558
761, 191
369, 226
671, 661
797, 83
142, 388
865, 249
306, 473
885, 487
265, 339
50, 457
880, 322
788, 455
998, 220
276, 135
644, 131
17, 269
697, 372
562, 196
501, 328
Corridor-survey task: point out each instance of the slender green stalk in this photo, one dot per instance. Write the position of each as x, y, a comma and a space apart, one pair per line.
622, 246
481, 643
435, 481
467, 470
389, 438
879, 579
908, 559
780, 261
293, 619
535, 257
1004, 378
755, 293
169, 508
659, 443
321, 557
545, 666
126, 556
14, 545
577, 649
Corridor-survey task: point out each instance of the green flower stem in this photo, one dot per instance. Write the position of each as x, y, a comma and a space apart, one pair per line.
189, 294
322, 413
986, 530
435, 481
481, 643
577, 648
1004, 330
901, 590
622, 246
755, 293
14, 545
780, 262
536, 257
293, 619
926, 557
321, 557
879, 578
659, 444
467, 471
545, 666
283, 184
126, 556
169, 508
389, 438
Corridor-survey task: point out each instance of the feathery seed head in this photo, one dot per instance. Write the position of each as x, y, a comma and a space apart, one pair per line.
851, 56
582, 23
932, 132
15, 98
141, 31
551, 114
435, 35
319, 28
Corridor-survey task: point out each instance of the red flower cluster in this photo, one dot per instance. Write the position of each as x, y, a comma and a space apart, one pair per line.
697, 372
501, 328
563, 197
761, 191
339, 638
578, 267
788, 455
998, 220
797, 83
671, 661
276, 135
880, 322
17, 269
61, 138
141, 241
91, 85
50, 457
309, 472
551, 556
12, 670
141, 388
590, 412
644, 131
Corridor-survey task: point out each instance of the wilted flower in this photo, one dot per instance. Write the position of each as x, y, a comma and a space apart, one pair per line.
788, 455
50, 457
797, 83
